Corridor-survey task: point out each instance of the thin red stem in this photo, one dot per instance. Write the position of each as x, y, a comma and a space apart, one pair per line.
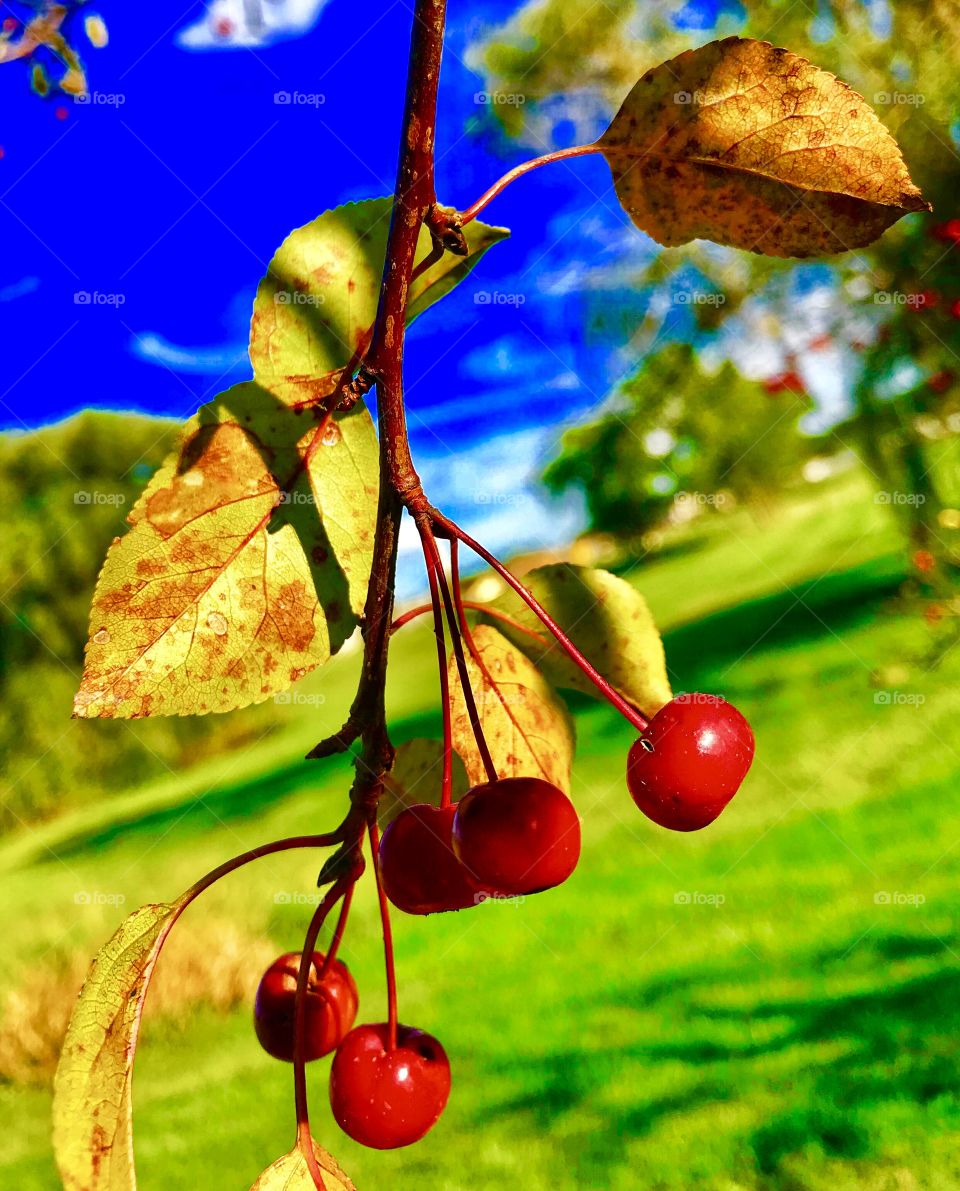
474, 606
337, 937
518, 171
446, 784
374, 835
469, 699
304, 1137
627, 710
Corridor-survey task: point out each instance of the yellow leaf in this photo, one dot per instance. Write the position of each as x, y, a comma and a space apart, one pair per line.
291, 1173
247, 558
92, 1115
95, 28
416, 778
753, 146
609, 622
527, 728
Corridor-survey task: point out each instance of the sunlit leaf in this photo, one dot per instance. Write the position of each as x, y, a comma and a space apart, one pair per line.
753, 146
92, 1116
527, 728
416, 778
315, 307
609, 622
246, 561
95, 28
291, 1173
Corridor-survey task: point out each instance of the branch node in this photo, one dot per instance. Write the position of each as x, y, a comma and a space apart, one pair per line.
446, 228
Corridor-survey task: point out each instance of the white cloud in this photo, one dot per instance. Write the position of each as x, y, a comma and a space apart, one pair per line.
244, 24
215, 360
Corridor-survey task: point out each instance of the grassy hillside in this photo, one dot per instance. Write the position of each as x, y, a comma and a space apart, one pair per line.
795, 1032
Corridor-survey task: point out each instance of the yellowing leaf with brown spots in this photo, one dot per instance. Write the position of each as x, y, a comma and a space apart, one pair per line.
249, 553
527, 728
753, 146
315, 308
291, 1173
415, 777
92, 1113
609, 622
245, 563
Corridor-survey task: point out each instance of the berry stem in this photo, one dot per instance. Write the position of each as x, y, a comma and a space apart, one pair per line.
304, 1137
430, 563
468, 696
387, 939
474, 606
627, 710
517, 172
337, 937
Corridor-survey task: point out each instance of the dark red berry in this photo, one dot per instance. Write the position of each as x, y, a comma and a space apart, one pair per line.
947, 233
784, 382
420, 873
386, 1098
330, 1011
940, 382
517, 835
690, 761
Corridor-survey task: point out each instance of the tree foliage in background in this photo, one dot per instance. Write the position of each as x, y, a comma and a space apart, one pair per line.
719, 439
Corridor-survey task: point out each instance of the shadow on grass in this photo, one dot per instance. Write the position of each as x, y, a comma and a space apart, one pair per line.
832, 1061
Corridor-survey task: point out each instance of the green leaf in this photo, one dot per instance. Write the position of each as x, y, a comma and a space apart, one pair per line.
315, 308
291, 1173
92, 1115
528, 730
247, 558
609, 622
753, 146
416, 778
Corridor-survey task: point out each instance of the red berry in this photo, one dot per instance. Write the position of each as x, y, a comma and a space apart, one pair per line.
926, 299
948, 232
223, 26
386, 1098
330, 1011
419, 871
955, 308
940, 382
690, 761
517, 835
61, 113
924, 561
784, 382
10, 24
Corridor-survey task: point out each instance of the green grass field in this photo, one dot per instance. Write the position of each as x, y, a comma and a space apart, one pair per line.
734, 1009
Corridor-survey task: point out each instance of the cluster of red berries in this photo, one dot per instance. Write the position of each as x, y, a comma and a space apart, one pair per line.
509, 837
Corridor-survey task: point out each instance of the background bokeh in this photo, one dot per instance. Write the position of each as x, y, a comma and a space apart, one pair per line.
767, 449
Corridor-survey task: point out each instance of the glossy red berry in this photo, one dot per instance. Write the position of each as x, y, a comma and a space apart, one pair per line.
947, 233
420, 873
690, 761
330, 1011
386, 1098
517, 835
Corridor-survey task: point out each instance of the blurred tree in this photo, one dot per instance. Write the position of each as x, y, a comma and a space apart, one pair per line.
678, 433
896, 328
